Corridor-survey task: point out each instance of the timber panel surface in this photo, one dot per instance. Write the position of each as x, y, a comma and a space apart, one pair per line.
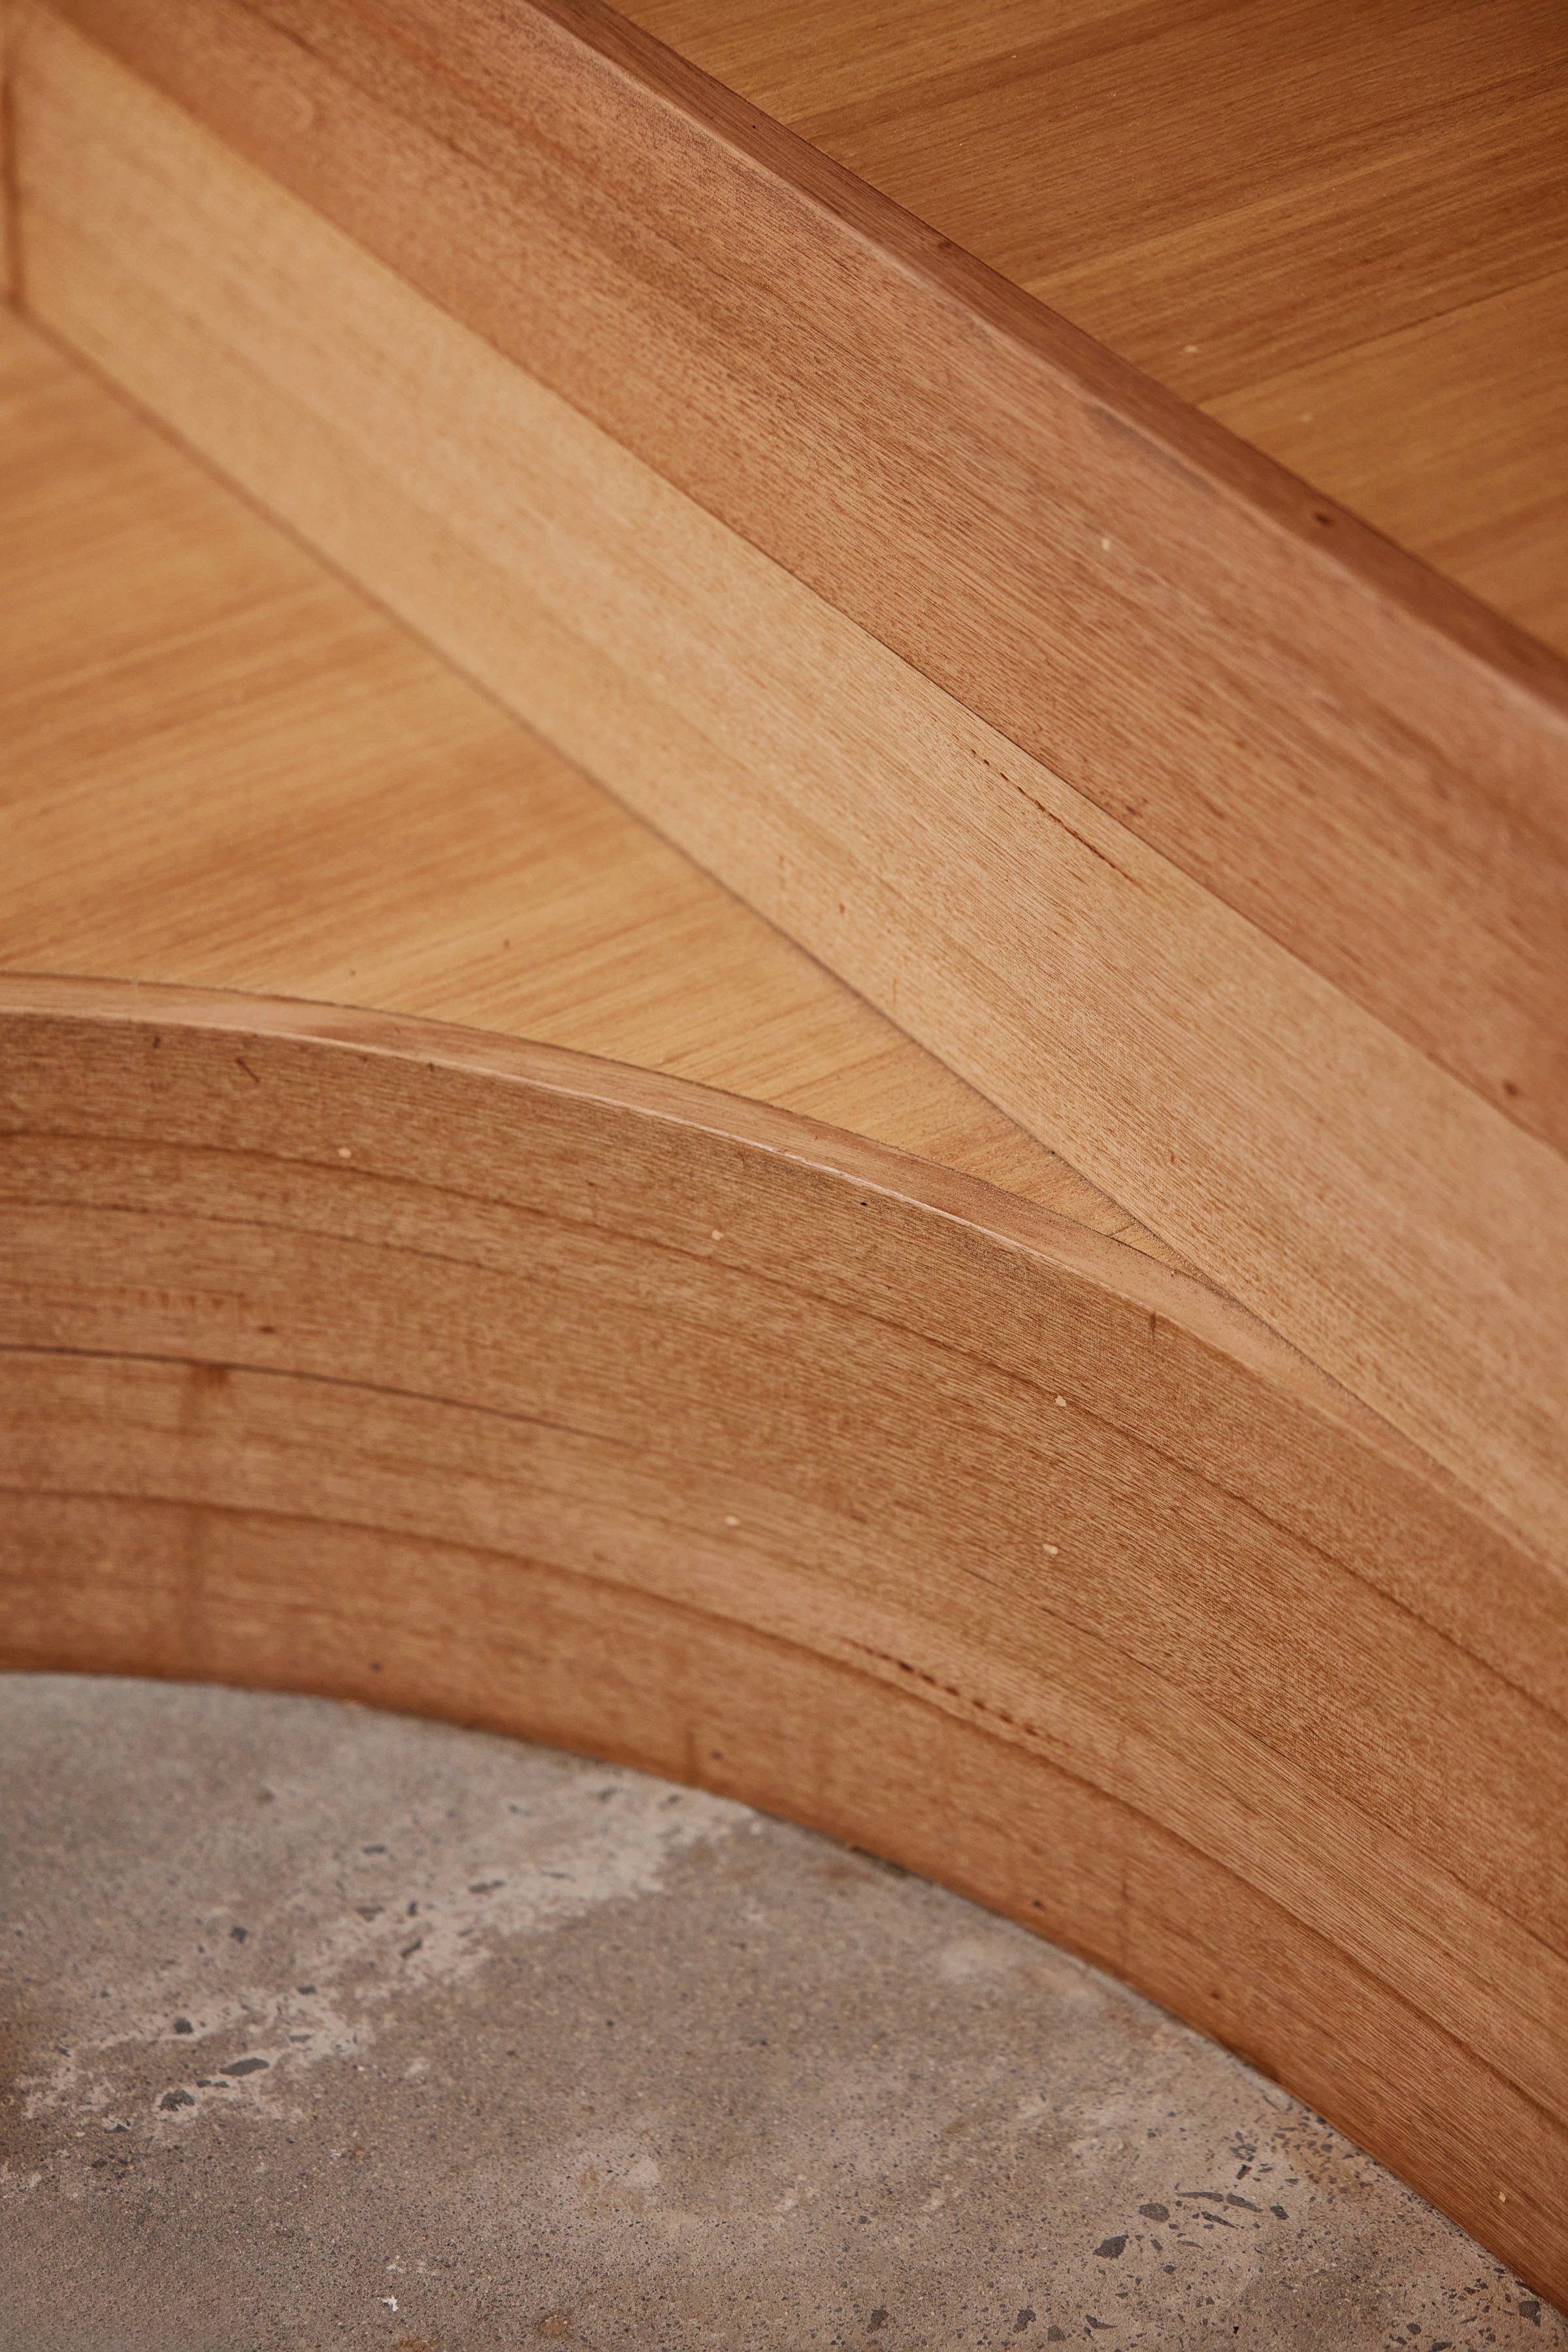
454, 1374
1340, 746
1366, 1204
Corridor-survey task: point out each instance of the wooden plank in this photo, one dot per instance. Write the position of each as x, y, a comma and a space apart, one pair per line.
1366, 1204
1343, 749
443, 1371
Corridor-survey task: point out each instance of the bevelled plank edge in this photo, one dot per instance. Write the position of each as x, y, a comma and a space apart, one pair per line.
1348, 750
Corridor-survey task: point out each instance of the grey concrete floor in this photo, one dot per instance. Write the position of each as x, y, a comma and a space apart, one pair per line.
331, 2028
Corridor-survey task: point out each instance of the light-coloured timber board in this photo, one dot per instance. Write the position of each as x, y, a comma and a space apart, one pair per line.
1363, 1201
1231, 194
454, 1373
1339, 745
220, 765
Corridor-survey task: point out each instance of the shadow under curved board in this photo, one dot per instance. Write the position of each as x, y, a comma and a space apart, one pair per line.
366, 1356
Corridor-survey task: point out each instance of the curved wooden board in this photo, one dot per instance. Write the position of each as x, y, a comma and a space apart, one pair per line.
450, 1373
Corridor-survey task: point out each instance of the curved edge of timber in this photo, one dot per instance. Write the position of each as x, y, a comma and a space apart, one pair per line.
1348, 750
413, 1365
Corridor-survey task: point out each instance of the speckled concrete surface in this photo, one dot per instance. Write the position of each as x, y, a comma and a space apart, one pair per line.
331, 2028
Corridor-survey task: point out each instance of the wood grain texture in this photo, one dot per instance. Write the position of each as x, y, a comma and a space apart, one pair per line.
1356, 757
1227, 194
370, 1356
10, 283
339, 1351
1478, 395
1364, 1202
221, 766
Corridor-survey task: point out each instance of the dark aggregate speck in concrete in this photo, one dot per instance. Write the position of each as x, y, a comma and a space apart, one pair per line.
655, 2072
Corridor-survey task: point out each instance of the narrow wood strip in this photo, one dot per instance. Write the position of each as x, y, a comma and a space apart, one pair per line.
1344, 749
367, 1356
1370, 1206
